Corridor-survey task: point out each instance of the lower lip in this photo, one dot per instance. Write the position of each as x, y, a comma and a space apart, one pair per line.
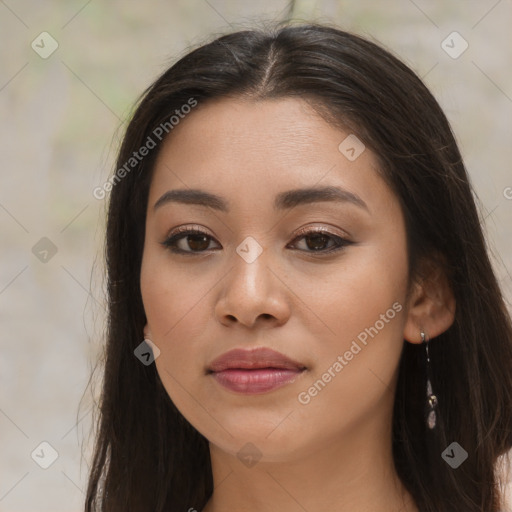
255, 381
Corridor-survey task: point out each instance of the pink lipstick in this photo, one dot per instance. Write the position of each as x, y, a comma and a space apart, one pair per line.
254, 371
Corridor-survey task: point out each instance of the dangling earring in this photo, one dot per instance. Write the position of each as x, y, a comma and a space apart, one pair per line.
431, 415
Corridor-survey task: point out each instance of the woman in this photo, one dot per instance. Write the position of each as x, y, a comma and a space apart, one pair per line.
292, 232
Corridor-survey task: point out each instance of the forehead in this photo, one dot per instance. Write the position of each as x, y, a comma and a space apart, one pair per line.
237, 131
250, 150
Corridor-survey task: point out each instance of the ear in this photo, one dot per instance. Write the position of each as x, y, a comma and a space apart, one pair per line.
147, 332
431, 304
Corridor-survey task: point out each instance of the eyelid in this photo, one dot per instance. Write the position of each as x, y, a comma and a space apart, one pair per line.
186, 229
320, 229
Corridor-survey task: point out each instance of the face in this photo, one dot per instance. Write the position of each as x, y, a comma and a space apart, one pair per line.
320, 278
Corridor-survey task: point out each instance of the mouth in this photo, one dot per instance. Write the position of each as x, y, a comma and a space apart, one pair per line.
254, 372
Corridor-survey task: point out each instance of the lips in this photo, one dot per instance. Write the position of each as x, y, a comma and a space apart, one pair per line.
254, 359
254, 371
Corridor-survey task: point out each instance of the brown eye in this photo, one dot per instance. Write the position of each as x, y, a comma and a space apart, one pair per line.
317, 241
198, 242
191, 241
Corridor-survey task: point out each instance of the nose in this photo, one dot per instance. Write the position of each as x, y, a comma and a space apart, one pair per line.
253, 293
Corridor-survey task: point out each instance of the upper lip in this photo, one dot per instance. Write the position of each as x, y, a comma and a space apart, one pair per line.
260, 357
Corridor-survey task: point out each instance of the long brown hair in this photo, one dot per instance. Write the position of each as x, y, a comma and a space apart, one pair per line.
147, 456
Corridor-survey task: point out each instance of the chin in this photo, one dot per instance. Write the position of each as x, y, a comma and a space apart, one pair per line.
270, 444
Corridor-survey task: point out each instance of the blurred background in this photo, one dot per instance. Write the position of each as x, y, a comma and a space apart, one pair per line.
70, 72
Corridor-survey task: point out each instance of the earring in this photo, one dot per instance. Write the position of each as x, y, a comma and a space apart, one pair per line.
431, 406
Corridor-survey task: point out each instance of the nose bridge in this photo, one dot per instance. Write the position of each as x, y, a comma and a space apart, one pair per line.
251, 290
249, 269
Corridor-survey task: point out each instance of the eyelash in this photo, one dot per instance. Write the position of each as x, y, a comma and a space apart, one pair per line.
180, 233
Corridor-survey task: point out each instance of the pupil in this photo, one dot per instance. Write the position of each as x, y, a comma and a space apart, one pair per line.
196, 240
319, 241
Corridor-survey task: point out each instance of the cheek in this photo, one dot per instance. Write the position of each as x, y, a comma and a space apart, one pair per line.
364, 308
174, 307
354, 293
177, 298
173, 299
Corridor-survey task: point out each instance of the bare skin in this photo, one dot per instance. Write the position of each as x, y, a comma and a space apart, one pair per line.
333, 452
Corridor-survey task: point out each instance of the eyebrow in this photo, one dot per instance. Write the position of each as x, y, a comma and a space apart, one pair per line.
284, 200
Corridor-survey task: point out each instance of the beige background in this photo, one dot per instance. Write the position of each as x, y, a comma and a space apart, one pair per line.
60, 123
